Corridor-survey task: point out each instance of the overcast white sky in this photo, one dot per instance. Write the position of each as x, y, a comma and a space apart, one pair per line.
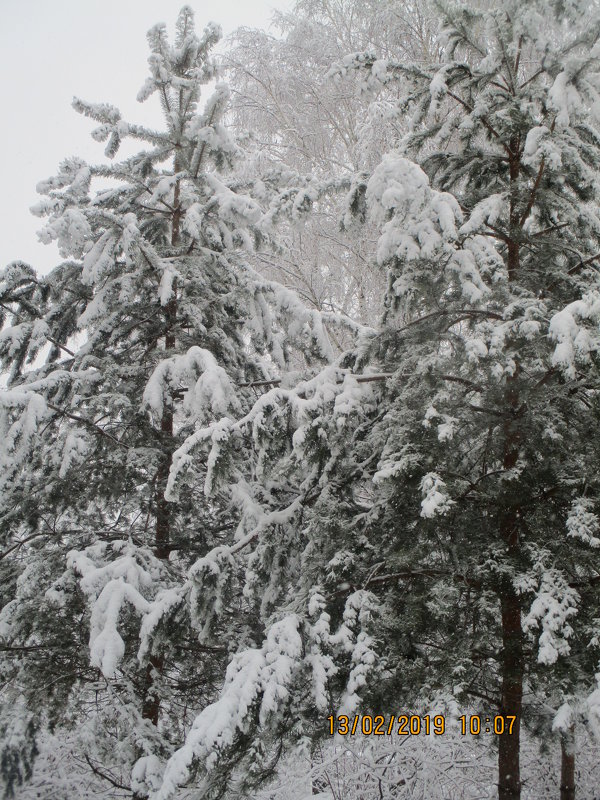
51, 50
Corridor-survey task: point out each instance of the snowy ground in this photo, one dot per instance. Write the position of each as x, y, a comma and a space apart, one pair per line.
449, 767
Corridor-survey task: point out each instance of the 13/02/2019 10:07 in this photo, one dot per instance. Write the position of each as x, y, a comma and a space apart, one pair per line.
413, 725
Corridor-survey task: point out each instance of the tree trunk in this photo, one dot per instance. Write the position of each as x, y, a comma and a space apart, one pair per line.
567, 765
509, 770
512, 667
151, 705
162, 535
163, 523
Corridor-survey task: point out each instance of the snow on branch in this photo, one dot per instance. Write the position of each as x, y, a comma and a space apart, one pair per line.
206, 385
109, 586
435, 501
419, 228
554, 605
257, 683
575, 340
333, 386
583, 523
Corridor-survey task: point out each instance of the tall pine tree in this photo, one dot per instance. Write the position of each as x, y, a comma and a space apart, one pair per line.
153, 325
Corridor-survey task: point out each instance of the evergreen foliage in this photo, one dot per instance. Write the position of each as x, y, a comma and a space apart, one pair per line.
218, 530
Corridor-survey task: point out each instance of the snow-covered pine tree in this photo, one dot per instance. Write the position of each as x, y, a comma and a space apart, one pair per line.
507, 123
153, 325
441, 477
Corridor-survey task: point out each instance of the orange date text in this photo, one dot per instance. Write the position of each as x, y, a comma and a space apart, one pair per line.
394, 725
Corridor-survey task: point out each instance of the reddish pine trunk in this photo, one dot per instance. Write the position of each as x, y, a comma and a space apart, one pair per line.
512, 665
509, 769
567, 765
151, 706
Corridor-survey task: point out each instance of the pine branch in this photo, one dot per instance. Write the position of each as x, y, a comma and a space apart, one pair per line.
592, 580
21, 542
106, 776
533, 77
90, 423
486, 124
38, 315
359, 379
394, 577
551, 229
30, 648
589, 261
493, 701
536, 185
518, 58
